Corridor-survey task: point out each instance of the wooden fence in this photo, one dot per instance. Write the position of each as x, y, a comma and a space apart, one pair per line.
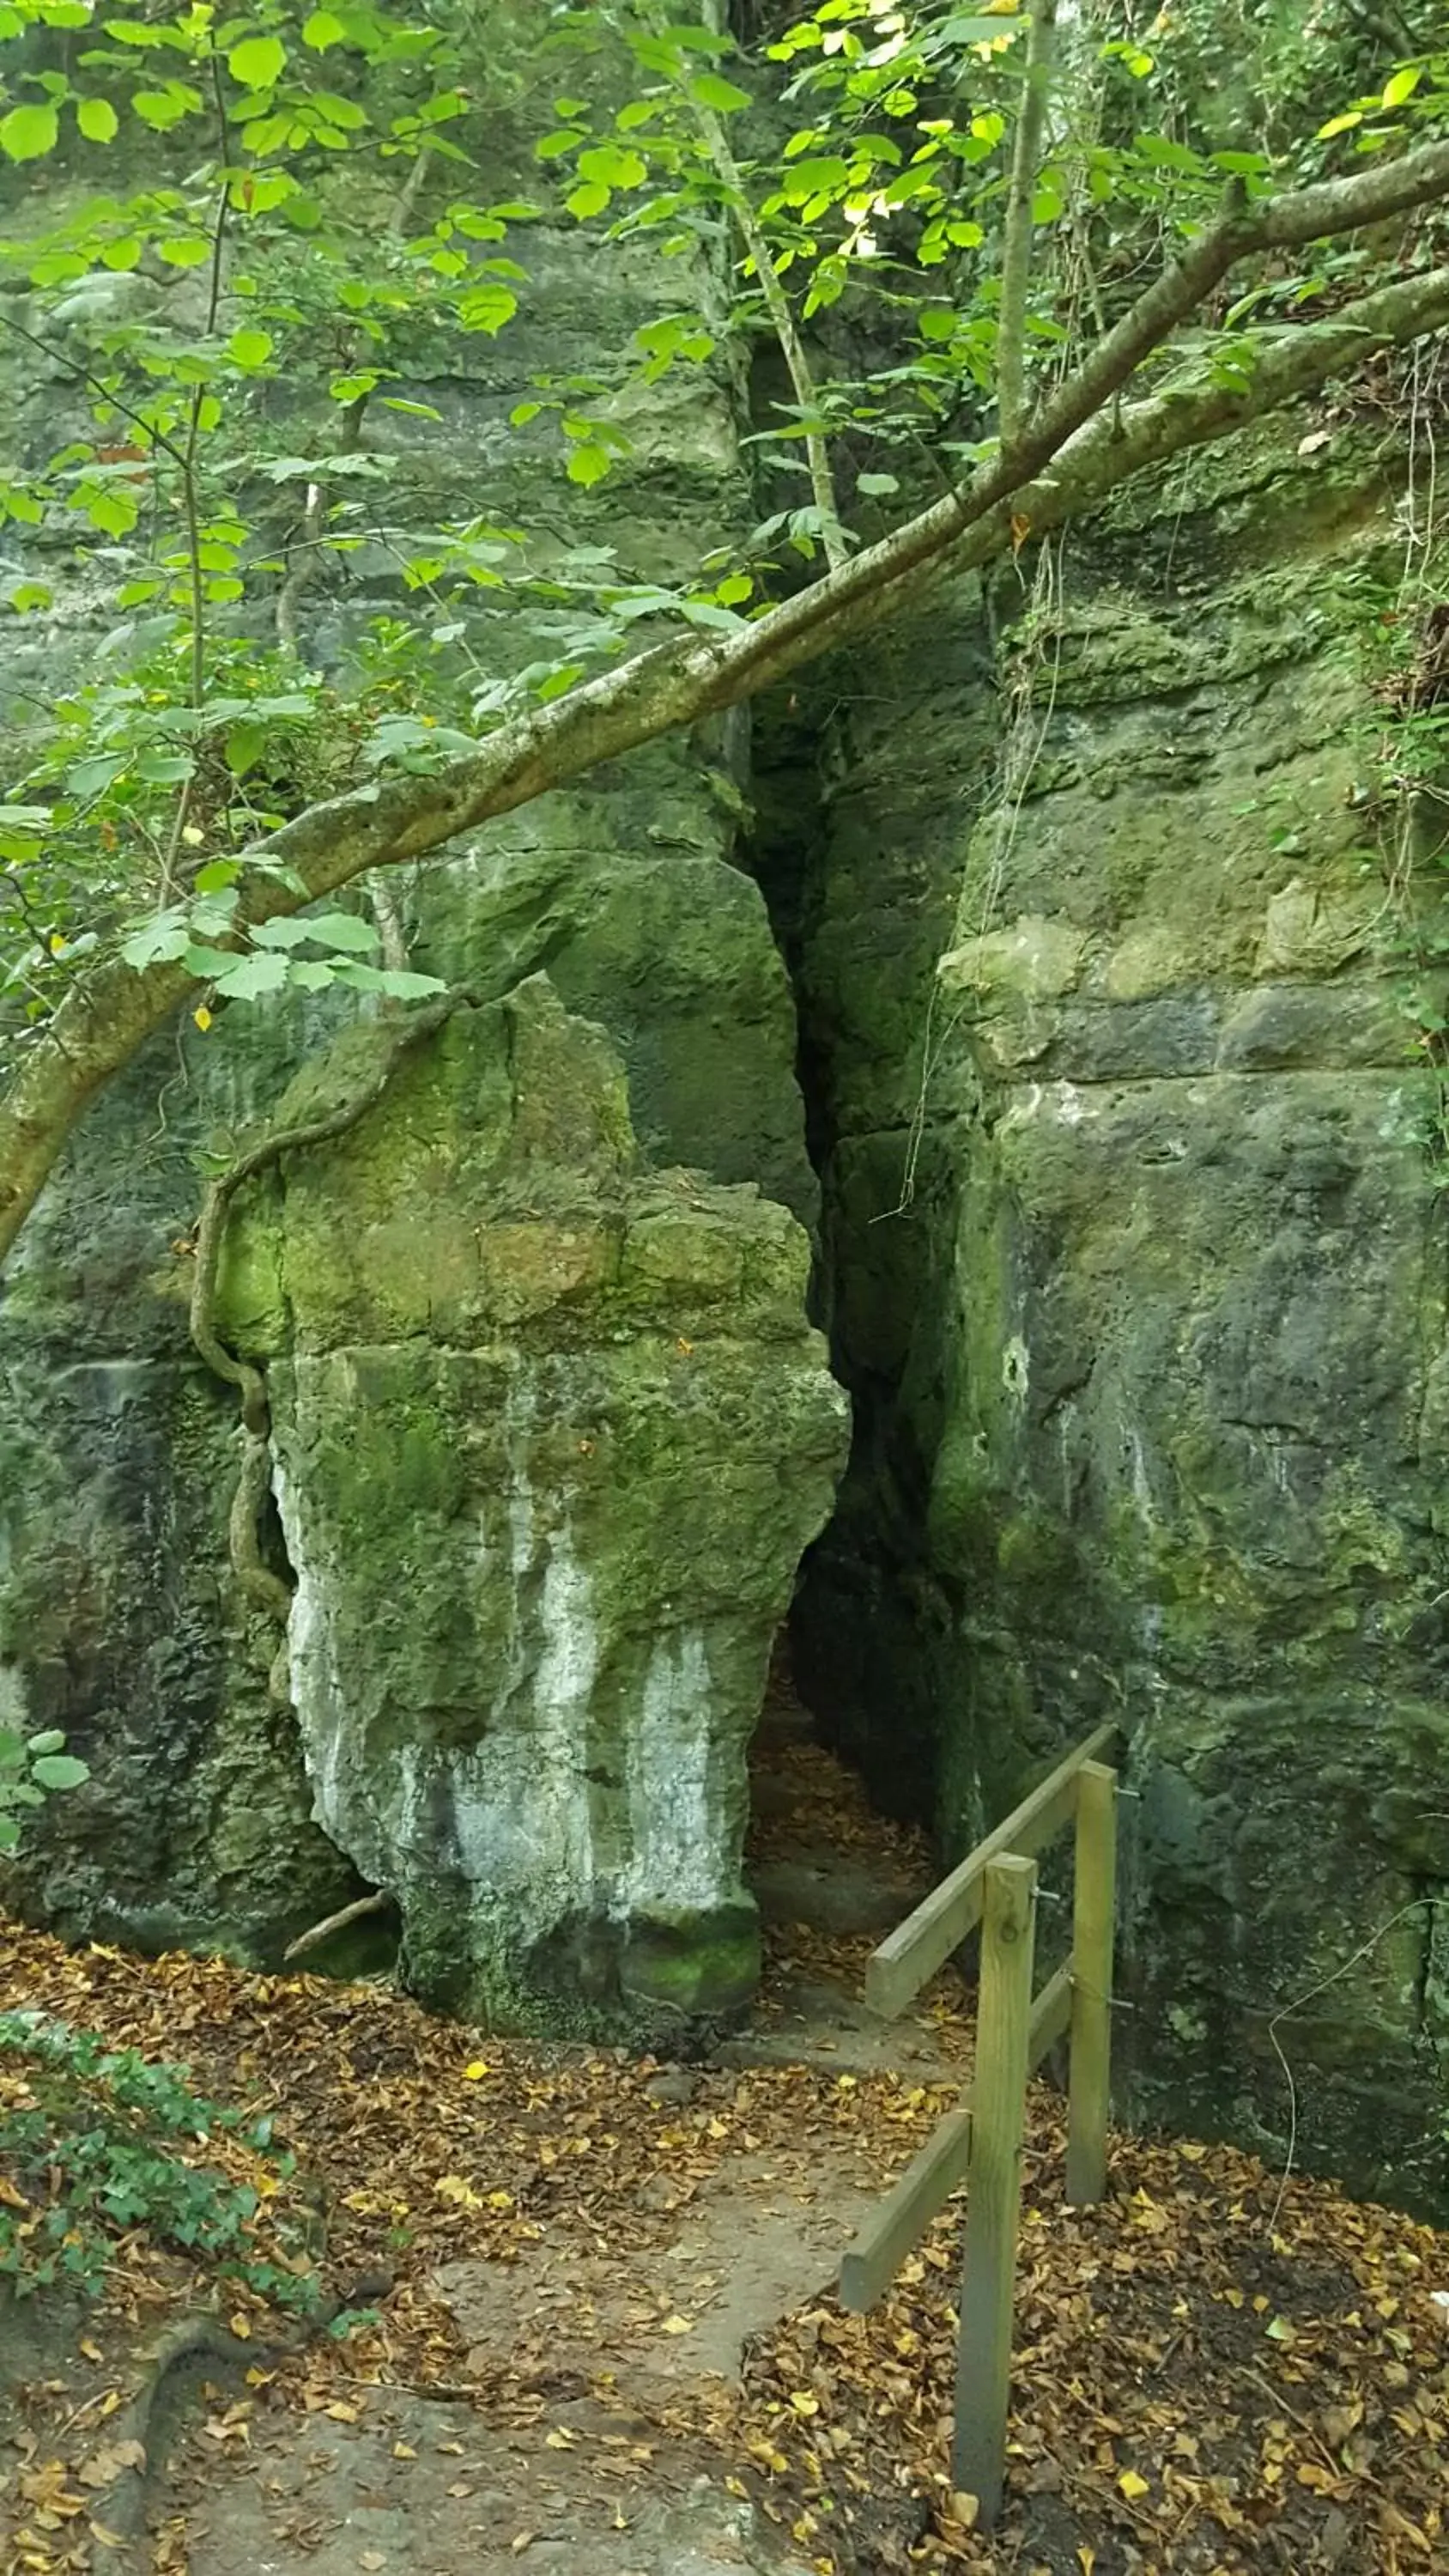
981, 2141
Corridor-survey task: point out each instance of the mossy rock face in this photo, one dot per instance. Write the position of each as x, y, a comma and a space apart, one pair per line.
551, 1435
120, 1618
1150, 1361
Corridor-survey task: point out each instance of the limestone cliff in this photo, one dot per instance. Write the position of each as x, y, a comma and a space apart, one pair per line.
1139, 1255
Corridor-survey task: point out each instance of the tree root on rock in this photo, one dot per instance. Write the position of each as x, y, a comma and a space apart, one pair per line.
140, 2434
260, 1584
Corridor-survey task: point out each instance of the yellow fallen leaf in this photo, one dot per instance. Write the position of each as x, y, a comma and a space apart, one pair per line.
372, 2559
1086, 2559
676, 2325
803, 2402
202, 1016
474, 2074
403, 2451
340, 2413
92, 2351
1132, 2486
737, 2487
241, 2326
558, 2440
963, 2507
522, 2540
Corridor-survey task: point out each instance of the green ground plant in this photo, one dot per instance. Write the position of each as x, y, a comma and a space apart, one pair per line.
97, 2143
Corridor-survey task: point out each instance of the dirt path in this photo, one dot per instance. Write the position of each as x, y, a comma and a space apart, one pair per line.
626, 2370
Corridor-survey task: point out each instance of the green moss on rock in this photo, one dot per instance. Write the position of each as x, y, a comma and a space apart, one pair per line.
551, 1435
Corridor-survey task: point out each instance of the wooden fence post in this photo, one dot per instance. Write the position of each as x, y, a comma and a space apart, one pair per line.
1092, 1937
993, 2186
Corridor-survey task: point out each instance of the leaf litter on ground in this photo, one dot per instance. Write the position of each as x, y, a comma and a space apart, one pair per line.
1213, 2374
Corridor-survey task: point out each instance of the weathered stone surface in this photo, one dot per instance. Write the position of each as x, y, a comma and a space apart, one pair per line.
551, 1435
1149, 1365
119, 1616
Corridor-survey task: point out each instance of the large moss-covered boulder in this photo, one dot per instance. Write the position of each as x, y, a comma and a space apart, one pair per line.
551, 1434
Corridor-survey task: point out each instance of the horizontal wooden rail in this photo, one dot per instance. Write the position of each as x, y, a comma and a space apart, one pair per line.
930, 2178
910, 1956
904, 2216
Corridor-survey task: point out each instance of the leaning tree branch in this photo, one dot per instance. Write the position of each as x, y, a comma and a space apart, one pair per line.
108, 1013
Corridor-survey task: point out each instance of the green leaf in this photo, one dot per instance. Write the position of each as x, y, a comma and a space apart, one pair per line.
28, 133
60, 1771
405, 986
1340, 124
250, 348
876, 483
733, 591
341, 930
612, 165
522, 413
164, 768
51, 1741
589, 198
1403, 85
313, 974
97, 120
92, 777
588, 463
287, 931
355, 972
486, 308
258, 62
976, 31
321, 30
164, 108
710, 89
248, 977
553, 146
165, 935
